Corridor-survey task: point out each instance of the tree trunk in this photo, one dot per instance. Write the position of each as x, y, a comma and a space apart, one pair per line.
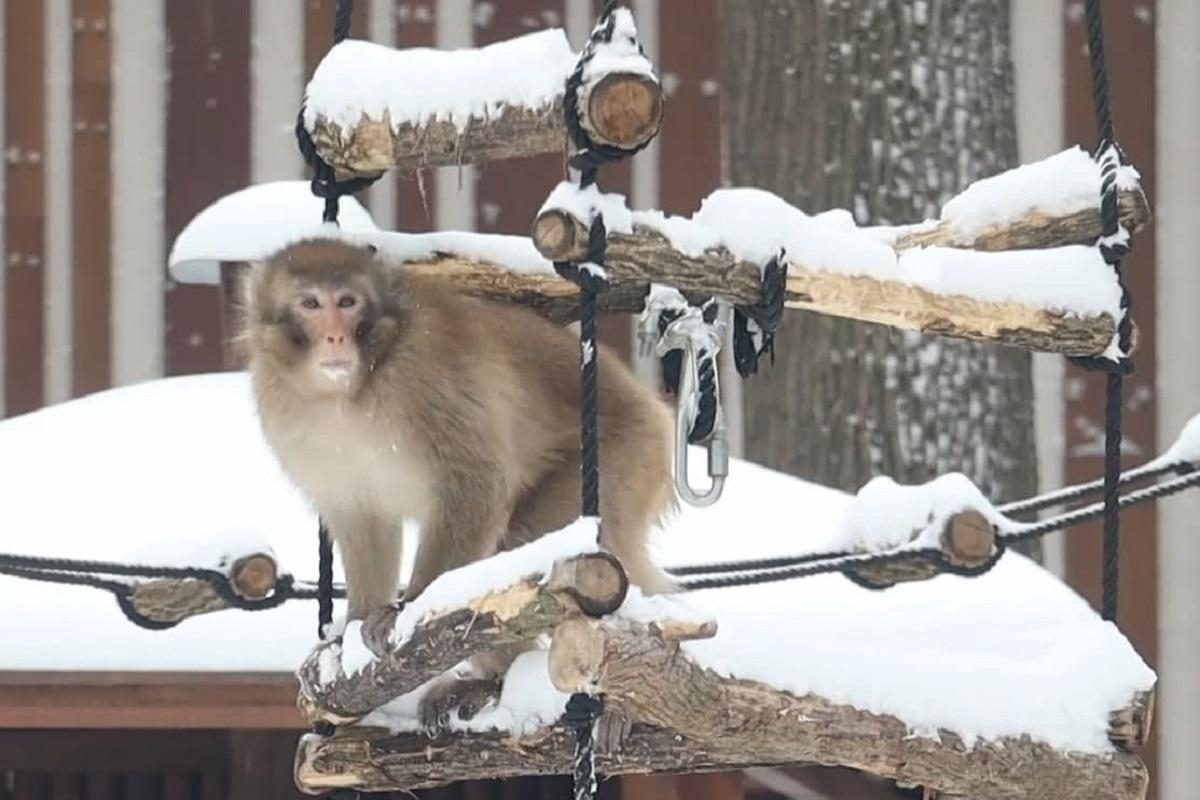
886, 108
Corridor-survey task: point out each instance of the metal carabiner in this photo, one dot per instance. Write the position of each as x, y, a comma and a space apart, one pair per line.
717, 444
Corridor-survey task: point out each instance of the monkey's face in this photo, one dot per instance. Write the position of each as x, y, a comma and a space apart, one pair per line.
323, 318
332, 320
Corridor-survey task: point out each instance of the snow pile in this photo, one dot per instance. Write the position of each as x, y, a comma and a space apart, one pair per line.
1060, 184
179, 465
622, 54
1185, 448
755, 226
359, 79
252, 223
885, 515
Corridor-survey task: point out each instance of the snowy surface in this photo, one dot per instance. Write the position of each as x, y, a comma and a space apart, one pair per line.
884, 515
1062, 183
622, 54
357, 79
756, 226
251, 224
1185, 448
178, 465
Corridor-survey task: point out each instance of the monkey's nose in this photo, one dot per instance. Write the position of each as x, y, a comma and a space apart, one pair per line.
338, 340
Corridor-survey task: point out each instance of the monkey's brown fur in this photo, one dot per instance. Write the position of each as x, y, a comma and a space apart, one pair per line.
460, 413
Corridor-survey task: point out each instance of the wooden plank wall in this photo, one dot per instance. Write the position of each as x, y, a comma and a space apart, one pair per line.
91, 185
25, 211
208, 129
1130, 43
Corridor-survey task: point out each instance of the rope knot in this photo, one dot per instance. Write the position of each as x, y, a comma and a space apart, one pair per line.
754, 326
582, 711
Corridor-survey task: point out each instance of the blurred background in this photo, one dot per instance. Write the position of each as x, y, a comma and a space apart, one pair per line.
122, 119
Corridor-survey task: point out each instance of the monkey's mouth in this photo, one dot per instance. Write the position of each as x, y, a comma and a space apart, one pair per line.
337, 370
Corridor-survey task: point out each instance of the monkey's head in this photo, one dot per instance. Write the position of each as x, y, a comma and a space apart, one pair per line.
321, 313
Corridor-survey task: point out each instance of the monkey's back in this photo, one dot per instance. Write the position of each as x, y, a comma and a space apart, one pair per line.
523, 372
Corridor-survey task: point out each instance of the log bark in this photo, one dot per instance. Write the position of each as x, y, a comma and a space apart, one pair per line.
590, 584
620, 109
171, 600
968, 541
646, 255
688, 719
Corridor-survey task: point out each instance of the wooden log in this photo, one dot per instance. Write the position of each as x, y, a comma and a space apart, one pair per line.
620, 109
1129, 727
593, 584
172, 600
1033, 231
688, 719
968, 541
561, 237
645, 255
621, 659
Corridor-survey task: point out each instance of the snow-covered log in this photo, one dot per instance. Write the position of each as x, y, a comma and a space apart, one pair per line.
592, 584
671, 715
171, 600
371, 108
914, 277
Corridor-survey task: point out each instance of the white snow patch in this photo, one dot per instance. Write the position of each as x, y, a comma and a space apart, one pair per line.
180, 464
585, 203
886, 515
359, 79
621, 54
250, 224
1062, 183
1185, 448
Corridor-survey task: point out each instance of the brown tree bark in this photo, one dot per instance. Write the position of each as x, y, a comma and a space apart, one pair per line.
886, 108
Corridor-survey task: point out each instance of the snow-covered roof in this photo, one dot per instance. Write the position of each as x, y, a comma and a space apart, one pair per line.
252, 223
176, 471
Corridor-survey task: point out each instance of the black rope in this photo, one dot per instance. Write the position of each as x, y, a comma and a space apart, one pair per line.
589, 155
343, 13
766, 316
1113, 249
91, 573
582, 712
791, 568
324, 579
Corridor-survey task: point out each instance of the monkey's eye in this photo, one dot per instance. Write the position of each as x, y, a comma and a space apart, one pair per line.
310, 303
347, 301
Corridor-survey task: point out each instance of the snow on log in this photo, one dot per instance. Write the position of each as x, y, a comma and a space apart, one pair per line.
371, 108
592, 584
1061, 297
672, 715
172, 600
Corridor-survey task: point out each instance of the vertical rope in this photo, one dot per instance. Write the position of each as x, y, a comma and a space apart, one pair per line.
589, 427
324, 579
1113, 250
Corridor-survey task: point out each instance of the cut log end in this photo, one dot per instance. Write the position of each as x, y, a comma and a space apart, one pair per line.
253, 577
558, 236
595, 581
1129, 728
576, 656
968, 539
624, 110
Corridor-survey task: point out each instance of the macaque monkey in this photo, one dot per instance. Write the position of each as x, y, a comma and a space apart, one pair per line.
386, 396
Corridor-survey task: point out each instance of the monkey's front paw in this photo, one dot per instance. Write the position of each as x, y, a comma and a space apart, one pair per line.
466, 696
377, 629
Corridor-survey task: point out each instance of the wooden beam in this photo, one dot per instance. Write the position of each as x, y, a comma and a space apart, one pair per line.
645, 255
171, 600
688, 719
592, 584
618, 108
